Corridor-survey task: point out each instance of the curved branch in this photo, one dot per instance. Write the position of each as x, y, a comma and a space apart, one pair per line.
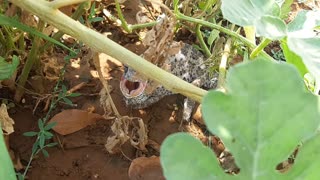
56, 4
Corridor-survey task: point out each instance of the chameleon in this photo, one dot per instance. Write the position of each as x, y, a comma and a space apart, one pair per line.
188, 64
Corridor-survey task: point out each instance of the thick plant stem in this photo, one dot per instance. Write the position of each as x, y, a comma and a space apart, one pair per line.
259, 48
250, 32
32, 56
223, 65
101, 43
56, 4
224, 62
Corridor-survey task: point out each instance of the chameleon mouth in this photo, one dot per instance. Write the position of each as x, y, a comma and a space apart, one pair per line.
131, 89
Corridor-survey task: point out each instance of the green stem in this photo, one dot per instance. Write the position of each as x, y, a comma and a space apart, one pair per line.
29, 163
52, 106
201, 41
224, 62
127, 27
123, 21
247, 42
259, 48
2, 39
130, 26
140, 26
9, 39
21, 43
222, 76
31, 59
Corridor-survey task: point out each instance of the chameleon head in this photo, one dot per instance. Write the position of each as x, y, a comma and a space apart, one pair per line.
130, 86
136, 93
133, 89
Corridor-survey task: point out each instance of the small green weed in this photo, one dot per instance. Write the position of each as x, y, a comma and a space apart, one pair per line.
44, 135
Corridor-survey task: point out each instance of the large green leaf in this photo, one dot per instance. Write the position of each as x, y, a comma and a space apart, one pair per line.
306, 165
305, 21
264, 15
265, 115
184, 157
6, 167
7, 69
293, 58
304, 42
309, 50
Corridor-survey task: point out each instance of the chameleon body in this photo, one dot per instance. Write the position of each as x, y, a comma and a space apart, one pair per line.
188, 64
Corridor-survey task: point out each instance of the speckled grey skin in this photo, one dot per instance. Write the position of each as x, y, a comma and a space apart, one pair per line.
189, 65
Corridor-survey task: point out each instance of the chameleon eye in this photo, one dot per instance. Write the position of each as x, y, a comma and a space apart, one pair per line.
125, 69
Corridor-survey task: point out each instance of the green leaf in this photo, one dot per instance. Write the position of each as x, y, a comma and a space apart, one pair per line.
40, 124
45, 153
309, 50
271, 27
6, 170
260, 119
51, 144
92, 9
175, 5
294, 59
264, 15
184, 157
35, 147
7, 69
47, 134
64, 88
250, 32
50, 126
303, 41
67, 101
305, 166
95, 19
244, 12
304, 21
42, 140
214, 34
31, 133
20, 176
285, 8
4, 20
74, 94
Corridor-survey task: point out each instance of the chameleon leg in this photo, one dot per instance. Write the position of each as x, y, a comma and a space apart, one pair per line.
189, 104
188, 107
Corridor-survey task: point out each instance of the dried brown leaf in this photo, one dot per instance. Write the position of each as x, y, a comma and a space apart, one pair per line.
70, 121
124, 129
5, 120
159, 40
